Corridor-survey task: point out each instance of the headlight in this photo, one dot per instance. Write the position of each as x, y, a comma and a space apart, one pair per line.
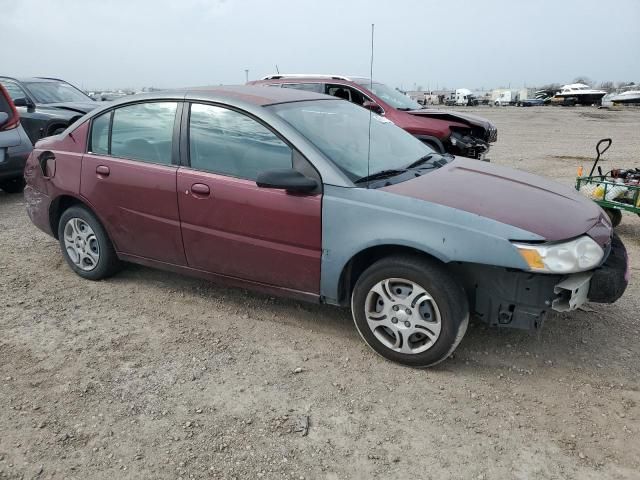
578, 255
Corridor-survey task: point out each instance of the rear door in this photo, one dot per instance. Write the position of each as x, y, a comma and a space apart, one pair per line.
232, 227
129, 177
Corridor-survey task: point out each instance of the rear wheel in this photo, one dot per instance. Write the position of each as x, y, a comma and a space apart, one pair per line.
410, 310
85, 244
14, 185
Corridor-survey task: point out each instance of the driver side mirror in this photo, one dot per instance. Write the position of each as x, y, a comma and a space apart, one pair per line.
373, 106
286, 179
23, 102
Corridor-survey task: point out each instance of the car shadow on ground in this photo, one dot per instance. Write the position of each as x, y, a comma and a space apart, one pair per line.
565, 338
9, 198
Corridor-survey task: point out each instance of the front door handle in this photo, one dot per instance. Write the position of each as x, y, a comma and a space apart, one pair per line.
200, 189
103, 170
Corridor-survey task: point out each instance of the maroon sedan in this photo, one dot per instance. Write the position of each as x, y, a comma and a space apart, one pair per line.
311, 197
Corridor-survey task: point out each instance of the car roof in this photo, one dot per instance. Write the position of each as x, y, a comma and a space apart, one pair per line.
33, 79
257, 95
315, 77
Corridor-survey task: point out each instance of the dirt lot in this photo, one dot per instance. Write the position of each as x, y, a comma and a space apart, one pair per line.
153, 375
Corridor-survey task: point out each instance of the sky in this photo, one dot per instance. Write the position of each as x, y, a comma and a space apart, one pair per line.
99, 44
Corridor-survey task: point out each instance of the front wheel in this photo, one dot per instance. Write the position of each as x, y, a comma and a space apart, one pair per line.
410, 310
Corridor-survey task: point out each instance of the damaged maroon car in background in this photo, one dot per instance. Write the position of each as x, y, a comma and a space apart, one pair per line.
445, 131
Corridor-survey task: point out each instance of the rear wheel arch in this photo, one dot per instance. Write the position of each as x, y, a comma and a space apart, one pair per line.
62, 203
367, 257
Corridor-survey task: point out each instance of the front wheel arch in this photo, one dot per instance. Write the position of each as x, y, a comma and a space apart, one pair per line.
362, 260
433, 142
56, 127
64, 202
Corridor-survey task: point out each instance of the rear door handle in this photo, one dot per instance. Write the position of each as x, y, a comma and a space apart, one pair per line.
200, 189
103, 170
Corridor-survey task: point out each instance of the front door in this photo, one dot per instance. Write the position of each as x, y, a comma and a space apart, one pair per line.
230, 226
129, 177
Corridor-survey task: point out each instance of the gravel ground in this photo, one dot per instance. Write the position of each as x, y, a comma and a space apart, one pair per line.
154, 375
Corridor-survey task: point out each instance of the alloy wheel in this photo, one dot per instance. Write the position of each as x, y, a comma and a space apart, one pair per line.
403, 316
81, 244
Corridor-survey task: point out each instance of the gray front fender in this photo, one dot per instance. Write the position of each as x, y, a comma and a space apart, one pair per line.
354, 219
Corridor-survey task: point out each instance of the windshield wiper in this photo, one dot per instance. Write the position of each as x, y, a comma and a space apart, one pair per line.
425, 159
380, 175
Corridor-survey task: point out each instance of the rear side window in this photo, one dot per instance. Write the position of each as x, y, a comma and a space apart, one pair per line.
308, 87
346, 93
230, 143
100, 134
144, 132
14, 90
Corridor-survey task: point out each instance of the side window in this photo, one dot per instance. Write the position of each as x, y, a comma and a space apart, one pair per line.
346, 93
309, 87
100, 134
14, 90
230, 143
144, 132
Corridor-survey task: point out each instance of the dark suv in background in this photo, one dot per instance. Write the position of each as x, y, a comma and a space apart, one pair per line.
15, 146
445, 131
47, 106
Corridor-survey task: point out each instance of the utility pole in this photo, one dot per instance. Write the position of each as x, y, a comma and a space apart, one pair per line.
246, 75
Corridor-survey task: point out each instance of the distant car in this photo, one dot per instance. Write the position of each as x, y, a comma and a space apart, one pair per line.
311, 197
15, 146
47, 105
457, 133
531, 102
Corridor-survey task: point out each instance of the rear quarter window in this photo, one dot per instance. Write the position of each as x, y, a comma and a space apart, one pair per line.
100, 134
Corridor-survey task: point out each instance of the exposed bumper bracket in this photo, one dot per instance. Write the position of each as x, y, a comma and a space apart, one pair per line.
572, 292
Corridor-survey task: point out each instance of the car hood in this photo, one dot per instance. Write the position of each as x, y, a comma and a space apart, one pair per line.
464, 118
76, 107
523, 200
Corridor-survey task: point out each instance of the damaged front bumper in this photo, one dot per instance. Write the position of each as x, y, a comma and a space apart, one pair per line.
514, 299
468, 146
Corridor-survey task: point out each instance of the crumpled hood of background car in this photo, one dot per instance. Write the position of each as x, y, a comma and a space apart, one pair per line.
464, 118
509, 196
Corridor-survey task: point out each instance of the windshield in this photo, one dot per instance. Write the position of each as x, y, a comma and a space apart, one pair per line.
340, 130
392, 96
56, 92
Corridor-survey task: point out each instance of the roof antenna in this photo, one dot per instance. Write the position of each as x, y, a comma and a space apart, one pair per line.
277, 70
370, 110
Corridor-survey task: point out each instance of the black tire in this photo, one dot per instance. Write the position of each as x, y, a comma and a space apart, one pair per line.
108, 262
13, 185
615, 216
446, 292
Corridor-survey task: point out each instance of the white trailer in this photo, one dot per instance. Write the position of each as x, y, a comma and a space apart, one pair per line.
507, 97
462, 97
